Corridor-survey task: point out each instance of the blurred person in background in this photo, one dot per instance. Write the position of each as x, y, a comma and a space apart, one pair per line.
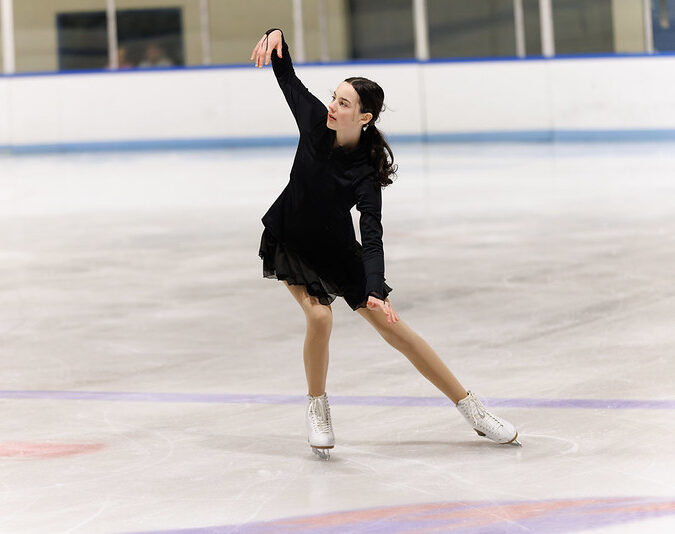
155, 57
123, 59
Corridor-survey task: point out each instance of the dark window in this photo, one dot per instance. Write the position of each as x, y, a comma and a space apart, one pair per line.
82, 40
663, 24
480, 28
382, 29
150, 37
583, 27
532, 27
146, 38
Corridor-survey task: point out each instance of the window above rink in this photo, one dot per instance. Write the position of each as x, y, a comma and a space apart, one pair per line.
78, 35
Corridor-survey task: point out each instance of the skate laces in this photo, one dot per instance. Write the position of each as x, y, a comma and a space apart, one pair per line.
320, 413
476, 408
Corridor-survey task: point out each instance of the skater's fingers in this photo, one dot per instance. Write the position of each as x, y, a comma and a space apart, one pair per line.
393, 313
257, 47
385, 309
268, 53
256, 53
260, 50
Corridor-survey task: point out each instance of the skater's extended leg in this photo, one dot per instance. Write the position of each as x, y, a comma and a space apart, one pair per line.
400, 336
315, 351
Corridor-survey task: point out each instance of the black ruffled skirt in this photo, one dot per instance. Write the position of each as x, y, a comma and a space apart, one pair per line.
345, 278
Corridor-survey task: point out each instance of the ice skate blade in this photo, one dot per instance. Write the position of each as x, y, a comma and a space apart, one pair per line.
324, 454
513, 442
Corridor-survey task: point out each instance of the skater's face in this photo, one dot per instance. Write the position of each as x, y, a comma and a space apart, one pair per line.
344, 110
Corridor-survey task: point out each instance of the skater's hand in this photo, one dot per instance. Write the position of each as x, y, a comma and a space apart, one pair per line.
385, 306
262, 53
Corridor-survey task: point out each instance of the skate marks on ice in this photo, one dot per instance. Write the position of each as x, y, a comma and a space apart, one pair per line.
471, 517
21, 449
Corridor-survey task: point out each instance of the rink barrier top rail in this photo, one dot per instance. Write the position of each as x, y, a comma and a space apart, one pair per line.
393, 61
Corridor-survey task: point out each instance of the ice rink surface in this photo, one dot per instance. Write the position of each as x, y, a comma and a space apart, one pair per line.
152, 380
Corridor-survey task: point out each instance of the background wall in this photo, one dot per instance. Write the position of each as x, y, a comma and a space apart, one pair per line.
629, 30
360, 29
234, 33
232, 27
243, 105
36, 38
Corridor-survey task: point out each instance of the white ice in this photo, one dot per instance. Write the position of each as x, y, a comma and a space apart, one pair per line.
537, 271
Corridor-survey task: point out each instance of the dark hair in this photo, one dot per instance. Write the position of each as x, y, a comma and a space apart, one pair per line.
371, 96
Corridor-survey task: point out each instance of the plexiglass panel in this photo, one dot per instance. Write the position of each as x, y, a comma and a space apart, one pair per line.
663, 24
159, 33
73, 34
532, 28
2, 59
381, 29
476, 28
583, 27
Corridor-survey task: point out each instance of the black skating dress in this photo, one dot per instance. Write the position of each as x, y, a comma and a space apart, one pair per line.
309, 236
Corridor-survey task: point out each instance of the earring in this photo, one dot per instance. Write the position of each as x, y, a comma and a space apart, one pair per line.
365, 127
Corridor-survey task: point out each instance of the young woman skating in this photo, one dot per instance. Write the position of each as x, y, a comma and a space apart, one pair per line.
309, 243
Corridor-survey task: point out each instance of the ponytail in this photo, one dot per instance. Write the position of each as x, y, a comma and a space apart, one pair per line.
384, 166
371, 98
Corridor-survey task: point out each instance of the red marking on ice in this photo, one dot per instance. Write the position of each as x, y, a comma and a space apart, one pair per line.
46, 450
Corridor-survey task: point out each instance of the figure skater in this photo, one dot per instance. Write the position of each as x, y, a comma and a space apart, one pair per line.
309, 243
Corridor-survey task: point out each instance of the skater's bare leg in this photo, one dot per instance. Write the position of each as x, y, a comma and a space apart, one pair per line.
315, 351
400, 336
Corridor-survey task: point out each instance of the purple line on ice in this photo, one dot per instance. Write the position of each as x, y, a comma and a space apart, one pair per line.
554, 516
224, 398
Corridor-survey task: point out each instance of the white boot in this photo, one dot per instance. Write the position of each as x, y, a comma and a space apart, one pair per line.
319, 426
485, 423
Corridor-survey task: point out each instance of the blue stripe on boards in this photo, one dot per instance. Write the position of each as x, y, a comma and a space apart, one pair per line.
517, 136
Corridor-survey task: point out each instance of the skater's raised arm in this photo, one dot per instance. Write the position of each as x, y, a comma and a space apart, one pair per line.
307, 110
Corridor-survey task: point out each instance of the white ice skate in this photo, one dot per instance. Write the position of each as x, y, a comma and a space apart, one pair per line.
485, 423
319, 426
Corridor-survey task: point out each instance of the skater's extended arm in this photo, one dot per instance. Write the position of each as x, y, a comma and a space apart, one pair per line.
307, 110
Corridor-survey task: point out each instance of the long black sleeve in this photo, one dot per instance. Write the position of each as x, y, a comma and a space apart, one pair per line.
306, 108
369, 204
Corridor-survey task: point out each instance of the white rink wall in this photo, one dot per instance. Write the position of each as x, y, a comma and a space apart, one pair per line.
539, 99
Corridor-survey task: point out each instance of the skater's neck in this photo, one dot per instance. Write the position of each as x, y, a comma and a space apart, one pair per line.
347, 140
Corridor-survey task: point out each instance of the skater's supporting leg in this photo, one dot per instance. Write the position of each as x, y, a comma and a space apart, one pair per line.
400, 336
315, 351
